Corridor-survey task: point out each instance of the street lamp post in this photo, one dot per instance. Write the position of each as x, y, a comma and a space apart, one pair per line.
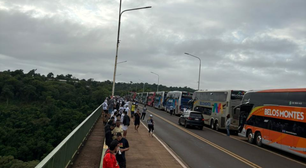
118, 34
199, 81
157, 79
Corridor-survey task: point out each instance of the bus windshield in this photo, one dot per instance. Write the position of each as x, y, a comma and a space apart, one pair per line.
237, 94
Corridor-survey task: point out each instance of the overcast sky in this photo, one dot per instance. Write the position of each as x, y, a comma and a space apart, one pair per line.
243, 44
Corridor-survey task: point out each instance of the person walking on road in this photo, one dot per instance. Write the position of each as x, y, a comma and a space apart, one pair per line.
108, 132
126, 123
117, 129
105, 111
123, 147
109, 160
171, 110
150, 122
137, 120
121, 109
133, 109
227, 124
144, 112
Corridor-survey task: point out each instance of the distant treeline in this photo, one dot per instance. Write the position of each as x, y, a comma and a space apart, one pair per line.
37, 112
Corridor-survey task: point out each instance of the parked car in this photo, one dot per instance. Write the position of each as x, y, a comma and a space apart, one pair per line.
192, 118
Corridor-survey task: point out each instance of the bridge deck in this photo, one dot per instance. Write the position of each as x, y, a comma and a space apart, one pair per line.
90, 154
145, 151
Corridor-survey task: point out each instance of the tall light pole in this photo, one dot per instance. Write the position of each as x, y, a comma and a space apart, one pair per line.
157, 79
118, 34
199, 81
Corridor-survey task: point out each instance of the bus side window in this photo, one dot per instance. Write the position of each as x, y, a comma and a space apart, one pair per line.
207, 111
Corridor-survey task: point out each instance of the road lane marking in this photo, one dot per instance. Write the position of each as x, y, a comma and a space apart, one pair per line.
241, 140
251, 164
167, 148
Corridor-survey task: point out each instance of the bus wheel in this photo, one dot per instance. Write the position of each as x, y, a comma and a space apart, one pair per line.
212, 124
216, 126
250, 137
258, 139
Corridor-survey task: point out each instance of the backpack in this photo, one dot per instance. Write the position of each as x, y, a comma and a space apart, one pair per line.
126, 120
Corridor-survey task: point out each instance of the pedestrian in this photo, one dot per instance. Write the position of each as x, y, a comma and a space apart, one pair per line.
126, 123
114, 114
117, 129
121, 109
117, 105
127, 109
110, 106
136, 104
144, 112
150, 122
123, 147
227, 124
133, 109
171, 109
108, 132
137, 120
118, 116
105, 111
109, 160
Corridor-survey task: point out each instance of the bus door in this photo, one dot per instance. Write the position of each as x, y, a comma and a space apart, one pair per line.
243, 112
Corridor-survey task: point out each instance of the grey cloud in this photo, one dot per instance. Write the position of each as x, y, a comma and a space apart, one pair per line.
242, 44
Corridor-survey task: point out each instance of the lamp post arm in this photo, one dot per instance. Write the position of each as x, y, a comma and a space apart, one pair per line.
135, 9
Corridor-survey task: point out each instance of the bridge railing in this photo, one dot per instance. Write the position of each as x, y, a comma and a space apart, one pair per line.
61, 156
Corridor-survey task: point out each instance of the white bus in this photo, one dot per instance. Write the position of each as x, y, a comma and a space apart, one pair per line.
216, 105
178, 100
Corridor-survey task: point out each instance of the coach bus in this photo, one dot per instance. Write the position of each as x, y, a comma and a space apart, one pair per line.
216, 105
178, 100
275, 118
159, 101
133, 95
151, 98
144, 97
138, 97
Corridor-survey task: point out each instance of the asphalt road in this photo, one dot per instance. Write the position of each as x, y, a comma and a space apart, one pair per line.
211, 149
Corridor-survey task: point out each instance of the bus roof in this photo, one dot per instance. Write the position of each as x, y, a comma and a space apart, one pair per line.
285, 90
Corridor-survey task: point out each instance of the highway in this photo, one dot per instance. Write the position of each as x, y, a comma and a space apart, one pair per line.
211, 149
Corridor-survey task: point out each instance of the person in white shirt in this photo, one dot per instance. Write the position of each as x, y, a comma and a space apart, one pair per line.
121, 109
228, 123
105, 110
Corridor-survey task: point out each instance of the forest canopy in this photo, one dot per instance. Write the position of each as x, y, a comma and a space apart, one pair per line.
37, 112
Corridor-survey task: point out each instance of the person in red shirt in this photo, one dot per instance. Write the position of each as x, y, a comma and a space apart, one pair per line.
109, 160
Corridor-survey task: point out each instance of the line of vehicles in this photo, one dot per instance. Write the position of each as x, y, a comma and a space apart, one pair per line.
275, 117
